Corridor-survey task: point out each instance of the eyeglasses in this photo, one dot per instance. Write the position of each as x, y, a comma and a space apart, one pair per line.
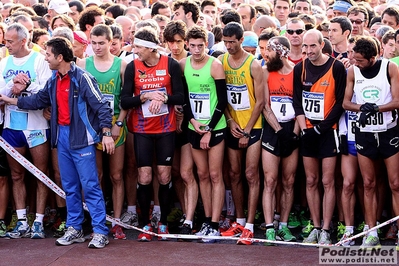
357, 21
298, 31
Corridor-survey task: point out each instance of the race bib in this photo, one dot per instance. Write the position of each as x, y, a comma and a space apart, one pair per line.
110, 100
313, 105
282, 108
144, 107
18, 117
375, 123
238, 97
200, 106
352, 118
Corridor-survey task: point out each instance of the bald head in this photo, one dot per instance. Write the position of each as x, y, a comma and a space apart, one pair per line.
315, 35
126, 23
264, 22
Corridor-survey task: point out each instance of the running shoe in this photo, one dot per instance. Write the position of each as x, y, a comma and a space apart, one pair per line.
162, 230
117, 232
224, 224
144, 237
371, 242
262, 226
293, 221
275, 224
340, 230
204, 230
20, 230
246, 237
174, 216
235, 230
303, 219
130, 218
51, 218
270, 235
71, 236
324, 238
307, 229
13, 222
31, 218
37, 231
360, 227
365, 228
60, 230
186, 230
3, 229
284, 234
98, 241
347, 235
155, 218
313, 237
182, 219
392, 232
211, 232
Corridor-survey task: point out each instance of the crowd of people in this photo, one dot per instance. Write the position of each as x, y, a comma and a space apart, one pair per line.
232, 109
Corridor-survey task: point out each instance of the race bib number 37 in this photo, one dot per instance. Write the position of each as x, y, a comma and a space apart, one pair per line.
313, 105
238, 97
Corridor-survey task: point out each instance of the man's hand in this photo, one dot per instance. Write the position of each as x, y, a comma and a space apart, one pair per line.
108, 145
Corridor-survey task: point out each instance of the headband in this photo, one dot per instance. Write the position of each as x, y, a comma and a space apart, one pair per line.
341, 6
145, 43
278, 48
79, 39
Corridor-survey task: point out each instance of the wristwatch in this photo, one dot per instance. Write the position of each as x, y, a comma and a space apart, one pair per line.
119, 123
107, 134
207, 128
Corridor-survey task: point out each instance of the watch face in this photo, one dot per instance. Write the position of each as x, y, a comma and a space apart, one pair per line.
207, 128
119, 123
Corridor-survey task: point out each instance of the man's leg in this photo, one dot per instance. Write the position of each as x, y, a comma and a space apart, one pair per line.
237, 191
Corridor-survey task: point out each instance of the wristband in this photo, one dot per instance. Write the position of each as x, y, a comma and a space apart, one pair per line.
107, 134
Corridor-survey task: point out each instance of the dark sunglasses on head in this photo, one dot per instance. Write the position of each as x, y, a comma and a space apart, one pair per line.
298, 31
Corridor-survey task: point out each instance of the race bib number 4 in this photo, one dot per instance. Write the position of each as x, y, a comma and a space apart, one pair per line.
200, 106
238, 97
282, 108
144, 107
313, 105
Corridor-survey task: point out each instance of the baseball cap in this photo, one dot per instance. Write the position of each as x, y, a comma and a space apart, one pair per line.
59, 6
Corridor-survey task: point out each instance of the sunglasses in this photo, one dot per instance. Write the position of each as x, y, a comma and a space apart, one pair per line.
298, 31
357, 21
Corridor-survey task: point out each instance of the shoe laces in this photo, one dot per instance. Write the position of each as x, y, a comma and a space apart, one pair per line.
99, 238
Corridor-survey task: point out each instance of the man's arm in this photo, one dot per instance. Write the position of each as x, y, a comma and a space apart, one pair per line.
393, 70
257, 76
347, 103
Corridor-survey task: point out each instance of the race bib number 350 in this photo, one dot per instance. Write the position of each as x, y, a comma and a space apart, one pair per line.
313, 105
238, 97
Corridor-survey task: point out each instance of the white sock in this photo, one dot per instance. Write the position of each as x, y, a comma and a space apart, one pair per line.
230, 203
281, 225
276, 216
157, 208
190, 223
39, 217
250, 227
349, 229
132, 209
21, 214
373, 233
241, 221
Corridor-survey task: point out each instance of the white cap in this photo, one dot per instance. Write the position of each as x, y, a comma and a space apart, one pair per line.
59, 6
93, 2
392, 3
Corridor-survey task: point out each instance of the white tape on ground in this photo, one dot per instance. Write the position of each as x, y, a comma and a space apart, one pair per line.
54, 187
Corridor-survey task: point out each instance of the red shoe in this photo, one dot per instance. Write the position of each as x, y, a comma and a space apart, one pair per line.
117, 232
144, 237
162, 229
235, 230
246, 237
224, 224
